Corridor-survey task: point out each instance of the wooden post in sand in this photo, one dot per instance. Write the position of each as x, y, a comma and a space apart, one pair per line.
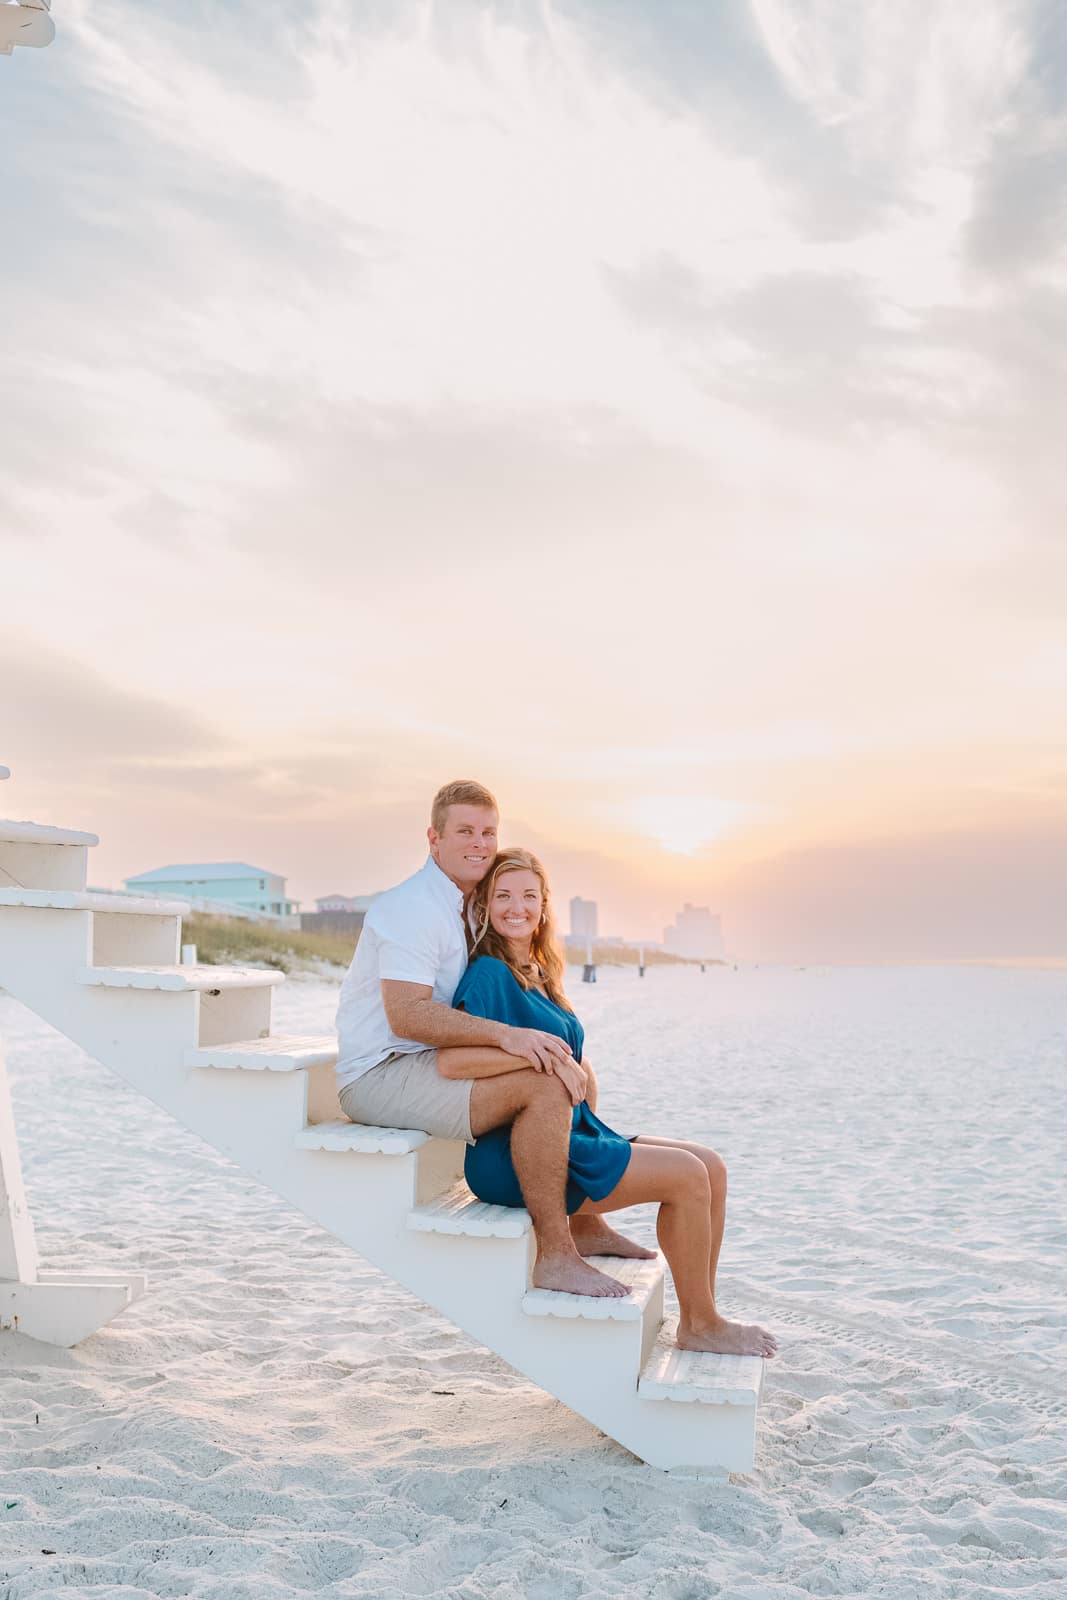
641, 962
55, 1308
589, 970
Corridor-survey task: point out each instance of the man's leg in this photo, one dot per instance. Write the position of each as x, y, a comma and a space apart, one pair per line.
538, 1107
591, 1234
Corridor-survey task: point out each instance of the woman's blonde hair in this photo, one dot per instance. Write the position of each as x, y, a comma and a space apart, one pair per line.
545, 947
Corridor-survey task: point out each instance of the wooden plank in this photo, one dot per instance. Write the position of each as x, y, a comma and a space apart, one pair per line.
277, 1053
85, 900
643, 1277
458, 1212
179, 978
691, 1375
42, 833
361, 1139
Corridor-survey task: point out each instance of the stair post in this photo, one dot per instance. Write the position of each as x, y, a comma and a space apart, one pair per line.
52, 1307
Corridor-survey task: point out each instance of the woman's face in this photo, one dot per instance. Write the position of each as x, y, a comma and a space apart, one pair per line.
515, 904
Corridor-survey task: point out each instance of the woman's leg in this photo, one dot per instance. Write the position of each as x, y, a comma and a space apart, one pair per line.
679, 1180
715, 1167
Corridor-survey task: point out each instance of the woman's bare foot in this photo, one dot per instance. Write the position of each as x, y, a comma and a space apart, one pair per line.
572, 1275
725, 1338
593, 1237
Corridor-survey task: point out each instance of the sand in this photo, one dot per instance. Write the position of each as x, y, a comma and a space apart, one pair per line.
275, 1418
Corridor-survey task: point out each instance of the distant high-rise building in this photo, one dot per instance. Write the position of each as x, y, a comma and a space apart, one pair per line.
696, 934
583, 918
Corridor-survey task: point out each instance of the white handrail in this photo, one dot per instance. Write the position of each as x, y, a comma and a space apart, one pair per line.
26, 22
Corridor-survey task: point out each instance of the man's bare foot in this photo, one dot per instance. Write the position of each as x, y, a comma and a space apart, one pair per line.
593, 1237
571, 1275
725, 1338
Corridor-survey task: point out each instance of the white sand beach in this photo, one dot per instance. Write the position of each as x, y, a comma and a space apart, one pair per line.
275, 1418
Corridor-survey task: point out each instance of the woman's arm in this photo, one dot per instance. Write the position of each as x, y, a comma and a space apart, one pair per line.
592, 1087
475, 1062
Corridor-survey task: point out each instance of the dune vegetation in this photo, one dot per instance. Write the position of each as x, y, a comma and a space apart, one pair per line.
222, 941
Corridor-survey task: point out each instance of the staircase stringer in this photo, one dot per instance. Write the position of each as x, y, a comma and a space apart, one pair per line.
364, 1200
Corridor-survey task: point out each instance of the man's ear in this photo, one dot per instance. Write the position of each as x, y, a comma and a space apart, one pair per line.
431, 835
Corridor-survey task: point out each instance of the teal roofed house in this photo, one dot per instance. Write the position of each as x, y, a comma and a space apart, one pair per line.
221, 886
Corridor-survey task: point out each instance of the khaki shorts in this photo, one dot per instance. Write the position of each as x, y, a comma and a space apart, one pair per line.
407, 1091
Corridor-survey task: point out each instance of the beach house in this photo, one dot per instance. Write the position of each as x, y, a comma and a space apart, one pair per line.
337, 913
232, 887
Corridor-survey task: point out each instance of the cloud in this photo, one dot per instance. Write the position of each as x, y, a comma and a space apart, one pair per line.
56, 712
1020, 209
957, 893
638, 406
1017, 228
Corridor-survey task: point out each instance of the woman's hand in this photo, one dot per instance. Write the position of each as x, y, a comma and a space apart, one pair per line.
573, 1077
541, 1050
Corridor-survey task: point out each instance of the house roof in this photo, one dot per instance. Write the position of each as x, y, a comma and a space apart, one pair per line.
190, 871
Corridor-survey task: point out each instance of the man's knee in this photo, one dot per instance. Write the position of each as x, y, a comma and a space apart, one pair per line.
546, 1094
547, 1087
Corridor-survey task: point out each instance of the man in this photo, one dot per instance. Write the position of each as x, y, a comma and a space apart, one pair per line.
395, 1013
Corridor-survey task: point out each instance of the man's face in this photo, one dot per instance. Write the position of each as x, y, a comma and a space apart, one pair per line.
466, 844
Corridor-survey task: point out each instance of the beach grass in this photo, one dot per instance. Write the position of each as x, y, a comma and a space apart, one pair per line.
223, 940
614, 955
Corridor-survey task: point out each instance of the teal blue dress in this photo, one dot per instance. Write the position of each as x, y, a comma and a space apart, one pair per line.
598, 1155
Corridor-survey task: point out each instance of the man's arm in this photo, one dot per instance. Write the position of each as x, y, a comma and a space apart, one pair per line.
414, 1014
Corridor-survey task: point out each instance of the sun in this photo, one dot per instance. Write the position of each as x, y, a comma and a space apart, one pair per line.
684, 824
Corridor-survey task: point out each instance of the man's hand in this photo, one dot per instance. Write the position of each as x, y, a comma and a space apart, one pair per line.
542, 1050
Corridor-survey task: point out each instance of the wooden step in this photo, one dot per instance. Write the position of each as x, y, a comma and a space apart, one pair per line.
644, 1278
360, 1138
180, 978
41, 833
689, 1375
458, 1212
86, 900
277, 1053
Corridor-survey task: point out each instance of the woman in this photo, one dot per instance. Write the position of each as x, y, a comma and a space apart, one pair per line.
515, 976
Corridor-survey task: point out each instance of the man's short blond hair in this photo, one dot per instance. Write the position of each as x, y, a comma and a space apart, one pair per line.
464, 792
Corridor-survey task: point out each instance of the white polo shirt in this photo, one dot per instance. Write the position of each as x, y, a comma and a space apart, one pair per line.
413, 933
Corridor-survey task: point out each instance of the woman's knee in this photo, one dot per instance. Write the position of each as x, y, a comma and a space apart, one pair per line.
715, 1167
688, 1177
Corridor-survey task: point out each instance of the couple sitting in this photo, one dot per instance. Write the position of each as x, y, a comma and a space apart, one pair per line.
489, 1050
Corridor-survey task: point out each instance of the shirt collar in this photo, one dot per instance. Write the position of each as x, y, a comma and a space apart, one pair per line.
443, 884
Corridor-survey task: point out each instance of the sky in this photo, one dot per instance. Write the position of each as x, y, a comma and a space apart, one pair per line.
653, 411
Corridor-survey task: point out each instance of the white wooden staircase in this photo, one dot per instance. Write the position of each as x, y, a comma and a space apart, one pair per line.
25, 22
104, 970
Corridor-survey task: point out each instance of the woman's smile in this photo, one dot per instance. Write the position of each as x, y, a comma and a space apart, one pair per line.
516, 906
